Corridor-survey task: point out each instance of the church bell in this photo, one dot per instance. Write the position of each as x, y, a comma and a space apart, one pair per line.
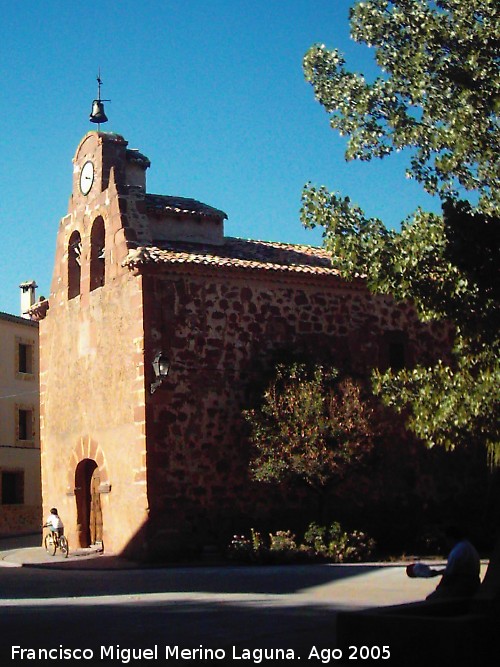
97, 115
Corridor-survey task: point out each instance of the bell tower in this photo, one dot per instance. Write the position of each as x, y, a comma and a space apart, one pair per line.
97, 154
103, 156
92, 393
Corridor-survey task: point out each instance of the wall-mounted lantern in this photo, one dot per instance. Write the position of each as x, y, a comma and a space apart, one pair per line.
161, 367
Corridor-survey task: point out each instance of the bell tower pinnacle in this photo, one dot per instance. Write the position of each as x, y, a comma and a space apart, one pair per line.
97, 114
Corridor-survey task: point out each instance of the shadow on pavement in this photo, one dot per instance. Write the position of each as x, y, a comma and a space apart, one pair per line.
184, 625
274, 580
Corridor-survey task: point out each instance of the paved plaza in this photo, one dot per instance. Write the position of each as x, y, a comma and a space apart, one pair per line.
105, 605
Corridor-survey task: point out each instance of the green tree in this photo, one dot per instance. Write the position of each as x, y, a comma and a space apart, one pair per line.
438, 98
438, 92
310, 429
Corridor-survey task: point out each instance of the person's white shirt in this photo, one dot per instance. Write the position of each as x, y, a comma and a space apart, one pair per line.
54, 521
463, 560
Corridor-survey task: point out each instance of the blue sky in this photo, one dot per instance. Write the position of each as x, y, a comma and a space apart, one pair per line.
211, 91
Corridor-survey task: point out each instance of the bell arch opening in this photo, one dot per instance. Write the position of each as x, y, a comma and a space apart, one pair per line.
74, 264
97, 254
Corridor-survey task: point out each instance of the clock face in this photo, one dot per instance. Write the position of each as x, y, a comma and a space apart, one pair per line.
86, 177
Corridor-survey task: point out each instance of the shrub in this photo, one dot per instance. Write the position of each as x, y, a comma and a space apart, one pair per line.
282, 541
337, 545
282, 546
328, 543
314, 538
246, 549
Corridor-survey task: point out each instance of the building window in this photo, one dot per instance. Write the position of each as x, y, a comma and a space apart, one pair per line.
25, 358
12, 487
395, 354
97, 261
24, 424
74, 264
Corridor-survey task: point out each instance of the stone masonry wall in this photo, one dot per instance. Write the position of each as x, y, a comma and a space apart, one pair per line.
92, 389
222, 332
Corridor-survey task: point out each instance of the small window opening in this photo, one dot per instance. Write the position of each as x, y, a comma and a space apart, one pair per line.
25, 424
25, 358
397, 356
12, 483
395, 351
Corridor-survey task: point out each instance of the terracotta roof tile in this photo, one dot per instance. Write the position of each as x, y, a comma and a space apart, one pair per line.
162, 204
247, 254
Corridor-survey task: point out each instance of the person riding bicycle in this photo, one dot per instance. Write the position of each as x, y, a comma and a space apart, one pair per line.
54, 523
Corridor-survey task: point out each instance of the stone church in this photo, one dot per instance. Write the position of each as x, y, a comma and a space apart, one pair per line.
157, 331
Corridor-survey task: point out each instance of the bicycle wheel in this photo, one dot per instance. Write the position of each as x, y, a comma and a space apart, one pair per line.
50, 544
64, 546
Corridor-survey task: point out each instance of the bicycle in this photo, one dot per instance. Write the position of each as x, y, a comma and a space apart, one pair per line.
53, 541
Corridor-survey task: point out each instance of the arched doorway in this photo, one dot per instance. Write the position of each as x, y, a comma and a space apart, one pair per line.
88, 503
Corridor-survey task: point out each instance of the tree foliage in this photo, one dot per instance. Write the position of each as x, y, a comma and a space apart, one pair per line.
311, 428
438, 96
438, 92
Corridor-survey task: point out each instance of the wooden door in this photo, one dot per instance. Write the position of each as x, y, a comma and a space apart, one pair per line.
95, 508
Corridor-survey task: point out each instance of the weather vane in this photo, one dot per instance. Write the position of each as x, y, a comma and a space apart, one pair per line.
97, 115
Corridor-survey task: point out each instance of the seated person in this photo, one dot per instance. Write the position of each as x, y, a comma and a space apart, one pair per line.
460, 577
